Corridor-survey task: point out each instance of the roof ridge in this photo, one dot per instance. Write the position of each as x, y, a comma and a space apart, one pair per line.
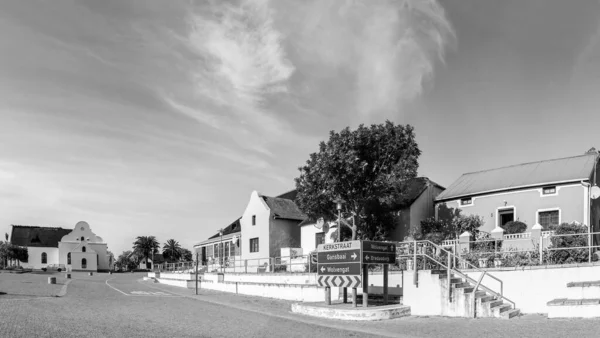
37, 227
520, 164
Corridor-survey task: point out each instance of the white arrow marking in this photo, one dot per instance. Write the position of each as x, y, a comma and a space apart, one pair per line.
322, 269
367, 257
353, 256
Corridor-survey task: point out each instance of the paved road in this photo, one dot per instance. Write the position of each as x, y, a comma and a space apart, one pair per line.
121, 305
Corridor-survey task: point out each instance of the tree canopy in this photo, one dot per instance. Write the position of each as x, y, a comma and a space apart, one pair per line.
172, 250
368, 169
144, 246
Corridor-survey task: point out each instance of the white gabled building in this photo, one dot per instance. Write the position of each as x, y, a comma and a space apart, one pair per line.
78, 249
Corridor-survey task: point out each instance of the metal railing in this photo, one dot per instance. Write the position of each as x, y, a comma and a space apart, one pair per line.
234, 264
420, 248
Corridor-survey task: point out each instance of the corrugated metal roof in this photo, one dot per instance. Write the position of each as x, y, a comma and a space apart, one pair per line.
521, 175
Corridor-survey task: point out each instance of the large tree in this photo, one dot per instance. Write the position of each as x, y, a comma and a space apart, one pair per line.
172, 250
145, 246
368, 168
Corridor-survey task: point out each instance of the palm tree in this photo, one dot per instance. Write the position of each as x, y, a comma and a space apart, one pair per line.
145, 246
172, 250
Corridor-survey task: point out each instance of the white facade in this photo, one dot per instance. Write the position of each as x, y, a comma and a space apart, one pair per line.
35, 257
79, 250
257, 211
308, 237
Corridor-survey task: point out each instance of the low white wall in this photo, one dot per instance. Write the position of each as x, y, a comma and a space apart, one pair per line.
272, 278
532, 287
298, 293
174, 276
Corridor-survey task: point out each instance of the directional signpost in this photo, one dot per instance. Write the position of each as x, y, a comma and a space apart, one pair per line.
341, 264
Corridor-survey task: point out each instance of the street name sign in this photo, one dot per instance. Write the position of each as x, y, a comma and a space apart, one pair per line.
378, 252
339, 264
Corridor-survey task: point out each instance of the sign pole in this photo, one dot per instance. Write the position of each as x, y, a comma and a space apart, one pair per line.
353, 297
196, 273
385, 284
345, 295
365, 285
328, 295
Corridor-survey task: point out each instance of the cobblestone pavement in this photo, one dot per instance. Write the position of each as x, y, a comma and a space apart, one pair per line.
28, 285
121, 305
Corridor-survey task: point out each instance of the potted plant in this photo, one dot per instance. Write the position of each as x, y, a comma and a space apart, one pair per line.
483, 260
497, 261
410, 265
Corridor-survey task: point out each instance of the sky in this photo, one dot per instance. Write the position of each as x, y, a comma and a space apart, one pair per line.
152, 117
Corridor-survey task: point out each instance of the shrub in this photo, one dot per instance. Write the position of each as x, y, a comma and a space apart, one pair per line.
44, 269
566, 256
281, 268
514, 227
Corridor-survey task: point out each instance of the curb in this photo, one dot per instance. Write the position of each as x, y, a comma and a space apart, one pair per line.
358, 314
63, 290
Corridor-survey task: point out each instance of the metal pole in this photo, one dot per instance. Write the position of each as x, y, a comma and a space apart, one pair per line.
415, 268
449, 262
345, 295
365, 282
541, 249
385, 283
327, 295
353, 297
196, 273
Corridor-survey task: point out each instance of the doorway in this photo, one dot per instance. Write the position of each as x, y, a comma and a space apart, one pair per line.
505, 216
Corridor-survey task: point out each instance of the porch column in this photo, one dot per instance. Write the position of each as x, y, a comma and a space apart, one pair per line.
463, 242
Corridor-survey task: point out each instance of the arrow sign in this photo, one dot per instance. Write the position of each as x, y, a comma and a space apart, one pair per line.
366, 257
340, 256
379, 252
322, 269
339, 269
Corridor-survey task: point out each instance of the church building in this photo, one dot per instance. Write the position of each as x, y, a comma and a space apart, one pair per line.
78, 249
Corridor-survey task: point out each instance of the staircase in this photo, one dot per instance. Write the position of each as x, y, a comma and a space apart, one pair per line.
449, 291
583, 301
486, 304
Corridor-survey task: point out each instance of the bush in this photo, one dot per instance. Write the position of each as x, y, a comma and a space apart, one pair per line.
44, 269
281, 268
566, 256
514, 227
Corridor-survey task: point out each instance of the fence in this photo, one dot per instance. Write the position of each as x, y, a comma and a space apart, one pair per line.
235, 264
525, 249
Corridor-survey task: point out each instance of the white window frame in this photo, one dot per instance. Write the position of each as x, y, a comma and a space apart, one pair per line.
460, 205
503, 208
257, 245
537, 214
556, 189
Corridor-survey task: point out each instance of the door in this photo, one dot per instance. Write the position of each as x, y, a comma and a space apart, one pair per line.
506, 215
203, 255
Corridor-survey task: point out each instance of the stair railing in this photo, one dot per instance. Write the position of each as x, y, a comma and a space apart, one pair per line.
451, 269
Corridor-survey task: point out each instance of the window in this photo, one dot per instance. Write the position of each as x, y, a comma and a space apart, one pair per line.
319, 238
227, 247
83, 249
44, 258
548, 218
549, 190
505, 216
69, 258
97, 260
466, 201
253, 244
209, 251
84, 263
253, 219
82, 238
216, 250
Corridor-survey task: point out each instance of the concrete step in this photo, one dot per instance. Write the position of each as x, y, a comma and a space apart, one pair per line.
583, 290
494, 303
510, 314
456, 280
498, 310
480, 294
574, 308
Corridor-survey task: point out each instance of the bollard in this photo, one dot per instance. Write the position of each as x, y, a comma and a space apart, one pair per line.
68, 276
51, 280
91, 273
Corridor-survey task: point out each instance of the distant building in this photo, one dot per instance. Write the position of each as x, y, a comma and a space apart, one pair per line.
546, 192
221, 247
77, 250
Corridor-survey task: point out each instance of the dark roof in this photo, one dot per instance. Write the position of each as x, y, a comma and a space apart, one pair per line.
34, 236
158, 258
284, 208
290, 195
539, 173
414, 188
230, 229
